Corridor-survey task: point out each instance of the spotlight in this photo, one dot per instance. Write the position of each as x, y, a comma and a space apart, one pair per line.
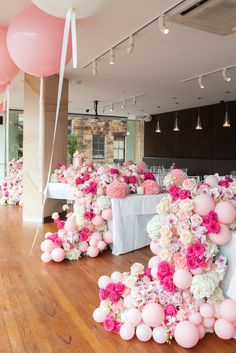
199, 123
158, 128
111, 109
226, 121
201, 85
176, 125
112, 57
162, 25
225, 76
130, 47
94, 68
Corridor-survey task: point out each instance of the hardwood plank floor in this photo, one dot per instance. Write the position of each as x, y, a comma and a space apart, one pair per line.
47, 308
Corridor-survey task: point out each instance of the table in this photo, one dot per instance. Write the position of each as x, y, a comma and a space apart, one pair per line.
229, 283
60, 191
130, 218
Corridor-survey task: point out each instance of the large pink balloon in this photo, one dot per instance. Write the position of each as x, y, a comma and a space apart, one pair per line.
8, 69
34, 42
186, 334
224, 329
182, 278
223, 237
226, 212
58, 254
3, 87
153, 314
228, 310
203, 204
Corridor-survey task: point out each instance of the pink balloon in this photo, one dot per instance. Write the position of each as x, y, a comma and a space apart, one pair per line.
3, 87
224, 329
107, 214
99, 315
197, 271
202, 331
203, 204
154, 261
97, 220
34, 41
116, 276
195, 318
186, 334
226, 212
143, 332
83, 246
58, 255
129, 302
127, 331
155, 247
97, 236
153, 314
103, 281
92, 251
208, 322
223, 237
199, 302
2, 108
70, 225
228, 310
46, 257
101, 245
134, 316
107, 237
93, 242
154, 272
8, 69
160, 335
182, 278
207, 310
48, 246
211, 180
217, 310
96, 211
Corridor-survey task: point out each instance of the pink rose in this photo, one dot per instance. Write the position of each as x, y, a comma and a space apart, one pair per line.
114, 171
213, 227
133, 179
103, 294
170, 310
126, 179
78, 181
184, 194
168, 284
83, 236
224, 183
199, 248
89, 215
148, 176
189, 184
109, 324
163, 268
86, 177
119, 288
110, 287
114, 297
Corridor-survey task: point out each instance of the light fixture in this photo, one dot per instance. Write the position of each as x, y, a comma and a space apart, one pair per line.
201, 85
199, 123
127, 133
112, 57
111, 109
158, 128
123, 105
225, 76
134, 101
130, 47
162, 25
226, 121
176, 126
94, 68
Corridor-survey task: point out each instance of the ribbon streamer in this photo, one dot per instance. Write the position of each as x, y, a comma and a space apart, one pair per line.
74, 40
6, 106
41, 136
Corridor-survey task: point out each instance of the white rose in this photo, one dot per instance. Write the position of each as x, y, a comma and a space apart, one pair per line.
137, 269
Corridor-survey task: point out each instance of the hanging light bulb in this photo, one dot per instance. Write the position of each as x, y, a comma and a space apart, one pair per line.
225, 76
176, 125
226, 121
123, 105
158, 128
201, 85
134, 101
111, 109
199, 123
112, 57
162, 25
94, 68
130, 47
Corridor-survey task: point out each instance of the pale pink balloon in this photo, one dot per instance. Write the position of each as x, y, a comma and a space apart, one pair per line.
223, 237
92, 251
107, 237
203, 204
207, 310
8, 69
46, 257
48, 246
97, 220
58, 254
2, 87
101, 245
186, 334
195, 318
134, 316
70, 225
34, 41
103, 281
90, 227
197, 271
96, 211
99, 315
83, 246
199, 302
226, 212
143, 332
155, 247
97, 236
224, 329
116, 276
153, 314
127, 331
208, 322
160, 335
154, 261
154, 272
202, 331
217, 310
228, 310
107, 214
129, 302
93, 242
182, 278
211, 180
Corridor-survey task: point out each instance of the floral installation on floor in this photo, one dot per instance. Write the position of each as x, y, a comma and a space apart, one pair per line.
85, 231
178, 296
11, 190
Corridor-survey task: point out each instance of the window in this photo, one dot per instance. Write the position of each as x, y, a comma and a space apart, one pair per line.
119, 149
98, 146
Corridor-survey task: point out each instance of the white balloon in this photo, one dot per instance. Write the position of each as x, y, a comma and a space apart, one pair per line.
82, 8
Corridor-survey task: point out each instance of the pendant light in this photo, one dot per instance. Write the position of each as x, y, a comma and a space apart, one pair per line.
226, 121
158, 128
199, 123
176, 126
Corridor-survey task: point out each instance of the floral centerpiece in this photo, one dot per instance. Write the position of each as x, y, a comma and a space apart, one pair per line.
11, 190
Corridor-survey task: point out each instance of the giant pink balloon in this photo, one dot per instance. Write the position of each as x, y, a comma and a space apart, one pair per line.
186, 334
182, 278
34, 42
153, 314
226, 212
228, 309
203, 204
8, 69
224, 329
3, 87
223, 237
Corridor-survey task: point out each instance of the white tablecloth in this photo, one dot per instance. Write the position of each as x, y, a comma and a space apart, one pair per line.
60, 191
229, 283
130, 217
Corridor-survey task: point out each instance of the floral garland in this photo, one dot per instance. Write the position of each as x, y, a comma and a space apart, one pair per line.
11, 190
178, 295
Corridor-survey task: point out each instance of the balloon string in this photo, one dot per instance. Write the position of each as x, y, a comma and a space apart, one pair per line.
6, 106
74, 40
41, 135
60, 86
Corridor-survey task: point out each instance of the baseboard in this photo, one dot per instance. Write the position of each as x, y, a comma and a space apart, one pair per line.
32, 219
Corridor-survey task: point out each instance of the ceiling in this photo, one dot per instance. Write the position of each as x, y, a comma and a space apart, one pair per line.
155, 67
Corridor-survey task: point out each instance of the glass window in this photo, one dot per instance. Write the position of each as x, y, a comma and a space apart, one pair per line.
119, 149
98, 146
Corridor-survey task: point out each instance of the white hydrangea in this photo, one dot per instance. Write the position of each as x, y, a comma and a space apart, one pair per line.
73, 254
137, 269
216, 297
204, 285
130, 281
103, 202
79, 215
154, 226
104, 306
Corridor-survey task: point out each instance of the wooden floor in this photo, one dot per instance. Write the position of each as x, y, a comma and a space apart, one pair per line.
48, 307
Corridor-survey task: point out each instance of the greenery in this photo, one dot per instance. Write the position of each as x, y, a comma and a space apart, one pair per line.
74, 144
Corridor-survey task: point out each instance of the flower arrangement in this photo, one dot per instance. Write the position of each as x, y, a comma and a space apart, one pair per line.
11, 190
178, 295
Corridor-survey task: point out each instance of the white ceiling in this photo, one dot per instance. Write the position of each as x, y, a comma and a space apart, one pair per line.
156, 66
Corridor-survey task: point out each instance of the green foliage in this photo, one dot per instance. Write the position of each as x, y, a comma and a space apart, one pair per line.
73, 145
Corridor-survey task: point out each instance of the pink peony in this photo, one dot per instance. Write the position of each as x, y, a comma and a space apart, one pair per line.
179, 176
117, 190
213, 227
224, 183
148, 176
199, 248
168, 284
103, 293
119, 288
164, 269
86, 177
170, 310
151, 187
114, 171
110, 287
133, 179
141, 166
79, 181
109, 324
184, 194
114, 297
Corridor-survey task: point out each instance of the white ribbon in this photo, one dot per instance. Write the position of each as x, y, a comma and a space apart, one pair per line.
74, 40
6, 106
41, 135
